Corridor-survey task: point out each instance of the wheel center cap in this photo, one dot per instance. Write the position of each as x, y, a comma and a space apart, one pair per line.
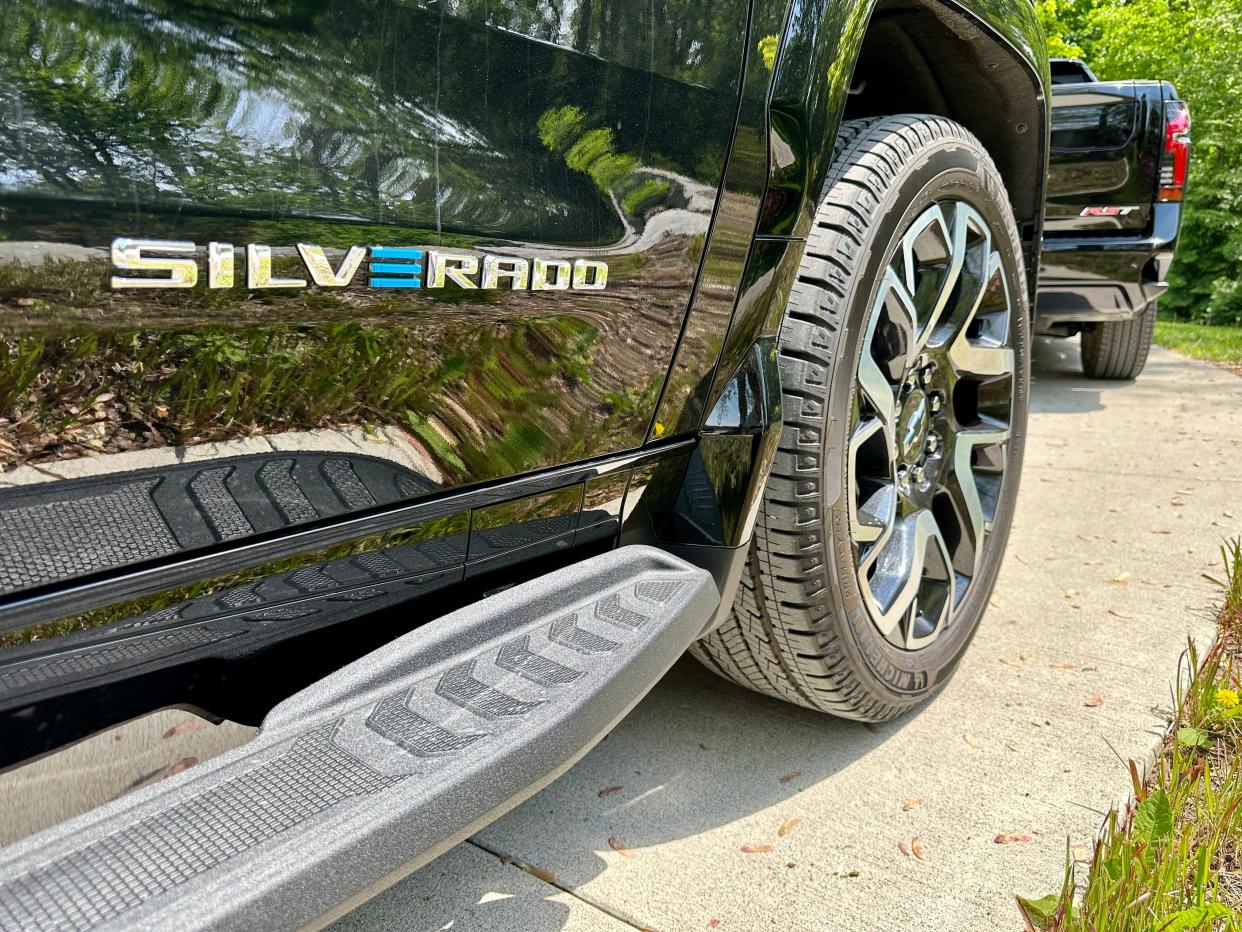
912, 425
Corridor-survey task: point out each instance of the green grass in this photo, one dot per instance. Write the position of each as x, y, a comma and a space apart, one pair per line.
1202, 341
1172, 860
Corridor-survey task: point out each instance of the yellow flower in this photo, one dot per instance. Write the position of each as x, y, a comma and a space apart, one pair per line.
1226, 698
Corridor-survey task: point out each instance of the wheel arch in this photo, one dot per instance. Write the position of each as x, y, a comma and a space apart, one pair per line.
985, 67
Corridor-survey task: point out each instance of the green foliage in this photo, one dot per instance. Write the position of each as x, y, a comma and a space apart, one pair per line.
1221, 344
1168, 861
1196, 44
1189, 737
1154, 820
1052, 16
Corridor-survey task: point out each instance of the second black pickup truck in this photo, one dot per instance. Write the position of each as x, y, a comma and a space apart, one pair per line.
1116, 175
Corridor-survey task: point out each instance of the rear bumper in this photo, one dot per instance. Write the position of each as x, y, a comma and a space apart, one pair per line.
1086, 279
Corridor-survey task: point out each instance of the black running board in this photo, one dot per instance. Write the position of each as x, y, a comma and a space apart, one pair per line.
376, 769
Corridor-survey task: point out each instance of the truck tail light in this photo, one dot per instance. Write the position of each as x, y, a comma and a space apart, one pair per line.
1176, 158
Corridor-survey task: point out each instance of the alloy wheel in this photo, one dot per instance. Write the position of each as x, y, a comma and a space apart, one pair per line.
930, 424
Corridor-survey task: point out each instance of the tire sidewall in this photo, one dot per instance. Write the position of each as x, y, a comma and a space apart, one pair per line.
947, 169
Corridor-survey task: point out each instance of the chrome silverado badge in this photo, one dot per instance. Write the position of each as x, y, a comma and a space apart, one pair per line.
387, 267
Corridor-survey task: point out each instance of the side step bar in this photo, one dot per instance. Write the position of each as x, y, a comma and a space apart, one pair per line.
376, 769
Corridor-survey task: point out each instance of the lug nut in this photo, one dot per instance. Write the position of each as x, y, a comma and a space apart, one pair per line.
903, 475
933, 443
917, 473
936, 404
926, 375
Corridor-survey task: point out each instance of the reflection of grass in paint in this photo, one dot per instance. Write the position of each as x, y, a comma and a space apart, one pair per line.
440, 449
215, 382
647, 193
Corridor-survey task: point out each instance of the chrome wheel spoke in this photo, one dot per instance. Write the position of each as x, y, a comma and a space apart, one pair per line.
980, 350
911, 582
873, 498
929, 433
973, 493
985, 362
888, 344
933, 251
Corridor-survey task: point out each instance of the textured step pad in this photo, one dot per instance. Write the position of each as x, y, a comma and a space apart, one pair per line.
53, 530
384, 764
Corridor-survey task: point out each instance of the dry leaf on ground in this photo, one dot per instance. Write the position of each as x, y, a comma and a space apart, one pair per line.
756, 849
173, 769
542, 873
184, 728
788, 826
609, 790
1008, 838
792, 776
916, 845
617, 845
1094, 701
912, 804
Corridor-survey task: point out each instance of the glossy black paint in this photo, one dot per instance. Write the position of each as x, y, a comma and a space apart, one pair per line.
87, 657
1101, 277
1105, 152
491, 126
158, 445
1107, 144
321, 469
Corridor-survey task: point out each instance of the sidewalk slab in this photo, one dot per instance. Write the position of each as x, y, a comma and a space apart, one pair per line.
1128, 490
470, 889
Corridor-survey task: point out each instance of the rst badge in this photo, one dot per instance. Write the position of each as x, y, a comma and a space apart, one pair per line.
387, 267
1108, 211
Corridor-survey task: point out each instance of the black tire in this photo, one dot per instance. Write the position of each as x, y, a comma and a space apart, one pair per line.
799, 629
1118, 349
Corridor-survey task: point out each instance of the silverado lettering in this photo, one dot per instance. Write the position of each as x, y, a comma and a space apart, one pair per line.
388, 267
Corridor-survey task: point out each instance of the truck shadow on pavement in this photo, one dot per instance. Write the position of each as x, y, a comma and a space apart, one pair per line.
1058, 385
696, 754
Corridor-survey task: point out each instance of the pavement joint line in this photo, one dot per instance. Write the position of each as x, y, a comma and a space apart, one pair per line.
1091, 471
512, 861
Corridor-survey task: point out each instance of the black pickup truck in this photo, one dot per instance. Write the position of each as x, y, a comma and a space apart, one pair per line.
1117, 171
419, 380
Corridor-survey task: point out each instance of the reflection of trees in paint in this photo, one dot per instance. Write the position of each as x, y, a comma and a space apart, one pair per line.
487, 391
340, 108
593, 151
767, 48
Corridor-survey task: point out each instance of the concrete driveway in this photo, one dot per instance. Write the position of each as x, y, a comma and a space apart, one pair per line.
734, 811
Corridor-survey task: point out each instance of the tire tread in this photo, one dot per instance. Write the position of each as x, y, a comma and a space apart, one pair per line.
780, 639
